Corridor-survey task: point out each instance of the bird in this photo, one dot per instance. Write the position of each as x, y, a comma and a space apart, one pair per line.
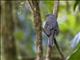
51, 28
51, 24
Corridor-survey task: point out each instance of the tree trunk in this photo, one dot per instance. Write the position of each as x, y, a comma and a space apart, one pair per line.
8, 41
37, 21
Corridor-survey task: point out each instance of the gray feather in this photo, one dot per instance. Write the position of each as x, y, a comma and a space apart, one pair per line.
51, 24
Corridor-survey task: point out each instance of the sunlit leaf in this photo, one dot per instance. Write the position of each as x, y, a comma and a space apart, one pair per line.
76, 3
76, 54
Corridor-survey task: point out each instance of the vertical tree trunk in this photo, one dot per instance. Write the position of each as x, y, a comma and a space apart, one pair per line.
38, 28
7, 31
0, 29
37, 21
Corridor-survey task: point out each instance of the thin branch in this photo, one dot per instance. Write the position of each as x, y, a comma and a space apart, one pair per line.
49, 50
67, 6
56, 8
58, 48
55, 12
31, 5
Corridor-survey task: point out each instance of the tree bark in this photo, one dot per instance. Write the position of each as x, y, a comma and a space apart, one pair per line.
8, 41
0, 29
37, 21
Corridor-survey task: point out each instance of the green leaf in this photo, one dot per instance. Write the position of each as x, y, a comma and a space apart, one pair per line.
76, 54
76, 3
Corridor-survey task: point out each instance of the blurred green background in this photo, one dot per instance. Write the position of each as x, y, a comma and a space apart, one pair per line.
69, 25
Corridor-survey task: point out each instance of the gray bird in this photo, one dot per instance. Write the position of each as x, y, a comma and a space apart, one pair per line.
51, 28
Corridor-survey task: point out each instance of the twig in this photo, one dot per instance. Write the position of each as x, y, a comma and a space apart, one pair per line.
55, 12
56, 8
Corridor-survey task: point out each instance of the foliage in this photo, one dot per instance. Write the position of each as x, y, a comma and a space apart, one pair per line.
77, 3
76, 54
69, 24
